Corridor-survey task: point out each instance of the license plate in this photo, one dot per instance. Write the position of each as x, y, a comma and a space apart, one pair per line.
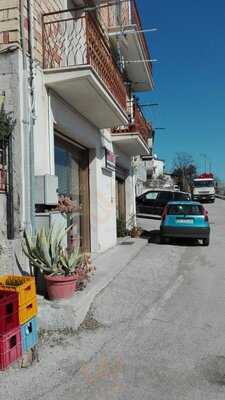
185, 221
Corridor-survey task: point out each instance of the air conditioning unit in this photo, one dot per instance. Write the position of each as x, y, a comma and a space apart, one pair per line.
46, 187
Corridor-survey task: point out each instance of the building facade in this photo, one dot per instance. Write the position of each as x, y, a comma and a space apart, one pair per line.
66, 75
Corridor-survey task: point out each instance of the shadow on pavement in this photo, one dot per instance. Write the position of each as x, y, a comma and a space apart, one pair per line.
154, 237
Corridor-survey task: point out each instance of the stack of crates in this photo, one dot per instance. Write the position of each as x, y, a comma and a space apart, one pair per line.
19, 305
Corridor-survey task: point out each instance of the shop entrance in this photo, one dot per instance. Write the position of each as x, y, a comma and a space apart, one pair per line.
120, 199
72, 169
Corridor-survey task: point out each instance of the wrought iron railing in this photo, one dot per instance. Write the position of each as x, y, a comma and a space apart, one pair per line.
74, 38
138, 124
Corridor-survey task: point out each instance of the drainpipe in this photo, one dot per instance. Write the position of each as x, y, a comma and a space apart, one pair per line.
32, 111
25, 130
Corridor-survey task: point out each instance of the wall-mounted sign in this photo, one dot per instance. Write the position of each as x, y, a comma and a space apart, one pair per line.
110, 160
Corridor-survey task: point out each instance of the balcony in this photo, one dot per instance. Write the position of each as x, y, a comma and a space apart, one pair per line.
79, 66
133, 45
134, 138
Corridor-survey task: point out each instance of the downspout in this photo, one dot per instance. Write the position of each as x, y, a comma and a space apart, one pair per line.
25, 127
10, 197
25, 134
33, 111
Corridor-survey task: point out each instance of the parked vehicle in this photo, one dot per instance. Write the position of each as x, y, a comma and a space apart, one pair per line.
203, 188
186, 219
154, 201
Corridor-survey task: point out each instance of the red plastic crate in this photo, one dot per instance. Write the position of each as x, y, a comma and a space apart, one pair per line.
9, 313
10, 348
23, 285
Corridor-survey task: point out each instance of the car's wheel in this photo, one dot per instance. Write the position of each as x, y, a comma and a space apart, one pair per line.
205, 241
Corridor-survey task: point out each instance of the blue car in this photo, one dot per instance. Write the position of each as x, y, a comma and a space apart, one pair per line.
185, 219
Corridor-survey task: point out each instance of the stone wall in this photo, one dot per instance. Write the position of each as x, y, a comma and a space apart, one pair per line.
10, 84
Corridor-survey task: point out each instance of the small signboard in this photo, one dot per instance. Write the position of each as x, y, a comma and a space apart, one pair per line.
110, 160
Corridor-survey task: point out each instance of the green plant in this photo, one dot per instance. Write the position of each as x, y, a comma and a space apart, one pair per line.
7, 124
67, 206
45, 251
121, 227
134, 229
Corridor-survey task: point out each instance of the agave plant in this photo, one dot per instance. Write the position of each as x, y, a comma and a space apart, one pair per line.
45, 251
69, 261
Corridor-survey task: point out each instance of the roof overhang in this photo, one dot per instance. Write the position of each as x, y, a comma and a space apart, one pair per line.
131, 144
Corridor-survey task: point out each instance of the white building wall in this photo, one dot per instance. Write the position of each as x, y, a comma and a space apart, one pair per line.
53, 111
158, 168
140, 174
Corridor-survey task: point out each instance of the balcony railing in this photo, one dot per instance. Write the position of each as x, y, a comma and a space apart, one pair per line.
139, 125
71, 40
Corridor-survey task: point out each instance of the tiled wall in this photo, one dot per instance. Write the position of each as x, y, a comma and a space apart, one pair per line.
11, 21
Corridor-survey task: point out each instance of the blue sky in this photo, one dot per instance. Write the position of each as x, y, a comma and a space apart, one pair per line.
189, 78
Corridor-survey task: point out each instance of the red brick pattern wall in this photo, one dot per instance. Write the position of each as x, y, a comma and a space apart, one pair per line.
9, 23
40, 7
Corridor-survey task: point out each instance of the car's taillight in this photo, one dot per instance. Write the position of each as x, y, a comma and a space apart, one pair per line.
206, 215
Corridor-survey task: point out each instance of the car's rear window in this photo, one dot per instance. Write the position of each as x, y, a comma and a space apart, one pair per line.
151, 195
181, 196
187, 209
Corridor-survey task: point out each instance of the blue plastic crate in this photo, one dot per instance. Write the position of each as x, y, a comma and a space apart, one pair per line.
29, 334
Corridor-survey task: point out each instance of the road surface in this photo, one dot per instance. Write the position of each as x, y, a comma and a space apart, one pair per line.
157, 332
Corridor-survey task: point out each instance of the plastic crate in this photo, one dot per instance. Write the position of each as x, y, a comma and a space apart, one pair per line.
10, 348
23, 285
28, 311
9, 313
29, 334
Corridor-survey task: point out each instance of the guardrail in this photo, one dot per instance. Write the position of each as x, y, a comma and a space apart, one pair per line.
219, 196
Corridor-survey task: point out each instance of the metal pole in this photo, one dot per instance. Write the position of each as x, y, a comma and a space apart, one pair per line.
10, 206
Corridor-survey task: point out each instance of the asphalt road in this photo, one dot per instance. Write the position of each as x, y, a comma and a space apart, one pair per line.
156, 333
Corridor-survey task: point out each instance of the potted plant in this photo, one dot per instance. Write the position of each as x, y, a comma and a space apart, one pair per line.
134, 230
71, 210
59, 265
85, 269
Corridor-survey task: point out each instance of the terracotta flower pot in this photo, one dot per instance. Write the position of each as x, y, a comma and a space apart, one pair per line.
136, 233
60, 287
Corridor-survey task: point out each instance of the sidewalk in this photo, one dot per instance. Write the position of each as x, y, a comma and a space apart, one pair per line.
69, 314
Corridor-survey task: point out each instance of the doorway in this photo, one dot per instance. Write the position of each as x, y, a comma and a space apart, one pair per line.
120, 198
